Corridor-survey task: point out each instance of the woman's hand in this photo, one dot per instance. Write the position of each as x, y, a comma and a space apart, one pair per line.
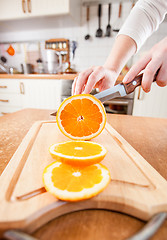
104, 77
154, 59
94, 77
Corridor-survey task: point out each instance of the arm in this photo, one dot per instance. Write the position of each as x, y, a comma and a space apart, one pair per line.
144, 19
123, 48
104, 77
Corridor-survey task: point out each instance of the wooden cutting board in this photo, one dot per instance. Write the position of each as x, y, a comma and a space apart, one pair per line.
136, 188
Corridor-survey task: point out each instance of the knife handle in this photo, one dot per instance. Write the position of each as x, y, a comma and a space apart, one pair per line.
130, 87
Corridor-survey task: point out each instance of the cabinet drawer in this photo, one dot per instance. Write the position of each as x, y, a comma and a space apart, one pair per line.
9, 86
5, 110
10, 100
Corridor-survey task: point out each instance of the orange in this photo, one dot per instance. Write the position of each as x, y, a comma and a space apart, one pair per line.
80, 153
71, 183
81, 117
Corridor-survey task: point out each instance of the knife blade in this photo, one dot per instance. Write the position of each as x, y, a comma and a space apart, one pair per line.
110, 93
121, 89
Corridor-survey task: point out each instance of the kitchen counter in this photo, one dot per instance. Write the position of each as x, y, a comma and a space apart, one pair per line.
38, 76
147, 135
45, 76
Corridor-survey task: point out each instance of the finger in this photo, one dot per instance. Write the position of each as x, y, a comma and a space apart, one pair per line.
74, 85
81, 80
97, 85
107, 81
102, 85
161, 79
149, 73
136, 69
93, 79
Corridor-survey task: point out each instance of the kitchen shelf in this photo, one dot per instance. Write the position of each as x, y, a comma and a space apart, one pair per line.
57, 45
103, 2
59, 49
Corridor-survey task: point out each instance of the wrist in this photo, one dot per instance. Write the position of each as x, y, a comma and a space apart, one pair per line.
115, 71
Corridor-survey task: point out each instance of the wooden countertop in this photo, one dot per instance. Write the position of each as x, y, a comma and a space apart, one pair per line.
38, 76
45, 76
147, 135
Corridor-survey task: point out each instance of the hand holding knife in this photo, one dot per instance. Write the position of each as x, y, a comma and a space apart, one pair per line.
120, 90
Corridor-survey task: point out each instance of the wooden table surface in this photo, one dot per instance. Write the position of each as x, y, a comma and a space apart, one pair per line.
147, 135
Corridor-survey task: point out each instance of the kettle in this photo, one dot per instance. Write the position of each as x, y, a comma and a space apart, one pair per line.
53, 62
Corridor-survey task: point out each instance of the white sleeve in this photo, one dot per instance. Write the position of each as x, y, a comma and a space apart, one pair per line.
143, 20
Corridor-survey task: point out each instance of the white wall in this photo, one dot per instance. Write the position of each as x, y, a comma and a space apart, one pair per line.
88, 53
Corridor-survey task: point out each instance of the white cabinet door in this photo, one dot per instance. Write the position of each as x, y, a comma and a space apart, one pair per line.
17, 9
12, 9
43, 94
152, 104
49, 7
29, 93
10, 95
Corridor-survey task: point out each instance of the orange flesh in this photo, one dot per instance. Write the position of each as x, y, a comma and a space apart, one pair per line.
64, 178
81, 117
78, 149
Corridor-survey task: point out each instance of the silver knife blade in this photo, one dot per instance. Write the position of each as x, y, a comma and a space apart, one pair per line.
113, 92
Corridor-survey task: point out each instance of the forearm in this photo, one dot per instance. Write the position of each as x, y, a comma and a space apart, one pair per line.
123, 48
134, 32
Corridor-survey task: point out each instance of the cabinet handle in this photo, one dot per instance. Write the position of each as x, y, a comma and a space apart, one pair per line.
139, 93
22, 90
3, 86
3, 100
4, 113
23, 6
29, 5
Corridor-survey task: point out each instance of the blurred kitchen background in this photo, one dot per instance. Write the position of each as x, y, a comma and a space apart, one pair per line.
59, 37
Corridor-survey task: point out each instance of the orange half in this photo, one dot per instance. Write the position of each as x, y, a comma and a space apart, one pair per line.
81, 117
71, 183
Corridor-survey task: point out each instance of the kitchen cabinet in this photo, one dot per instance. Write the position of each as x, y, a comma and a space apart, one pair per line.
10, 96
12, 9
18, 9
28, 93
152, 104
44, 94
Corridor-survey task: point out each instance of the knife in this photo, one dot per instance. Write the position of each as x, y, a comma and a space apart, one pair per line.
120, 90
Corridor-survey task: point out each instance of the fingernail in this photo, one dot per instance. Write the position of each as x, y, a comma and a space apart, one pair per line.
147, 90
125, 80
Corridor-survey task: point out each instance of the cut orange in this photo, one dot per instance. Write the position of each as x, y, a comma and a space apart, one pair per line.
71, 183
81, 117
80, 153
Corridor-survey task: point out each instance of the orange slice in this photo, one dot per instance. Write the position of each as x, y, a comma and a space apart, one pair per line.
78, 153
81, 117
71, 183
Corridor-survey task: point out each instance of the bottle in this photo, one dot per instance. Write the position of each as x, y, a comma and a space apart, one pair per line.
40, 68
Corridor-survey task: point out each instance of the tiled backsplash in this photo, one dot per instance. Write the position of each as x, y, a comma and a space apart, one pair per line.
88, 53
